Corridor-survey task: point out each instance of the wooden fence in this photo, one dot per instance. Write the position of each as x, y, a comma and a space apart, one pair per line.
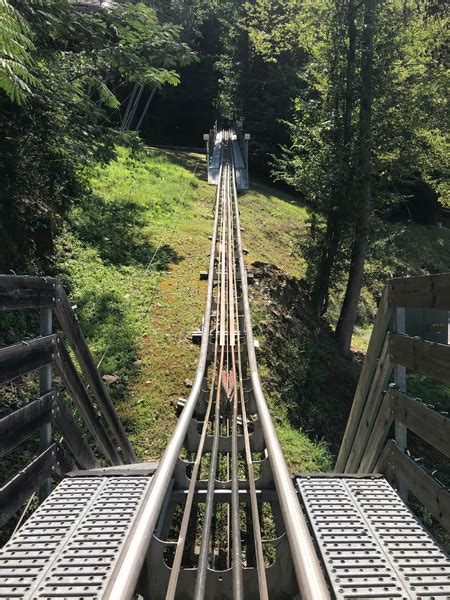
47, 354
380, 405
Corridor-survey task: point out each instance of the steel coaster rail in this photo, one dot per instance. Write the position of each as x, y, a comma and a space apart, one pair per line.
173, 581
260, 566
233, 334
307, 566
124, 581
226, 321
227, 391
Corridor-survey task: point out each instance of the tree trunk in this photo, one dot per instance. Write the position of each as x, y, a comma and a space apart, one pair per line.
347, 318
320, 292
144, 112
333, 234
350, 82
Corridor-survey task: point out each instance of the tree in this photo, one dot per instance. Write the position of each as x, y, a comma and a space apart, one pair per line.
337, 215
367, 125
347, 317
16, 48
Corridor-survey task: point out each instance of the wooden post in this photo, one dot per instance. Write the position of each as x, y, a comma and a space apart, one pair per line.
45, 386
72, 329
401, 431
377, 339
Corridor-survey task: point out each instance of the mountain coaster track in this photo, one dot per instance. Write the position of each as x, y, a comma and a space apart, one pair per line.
224, 425
220, 516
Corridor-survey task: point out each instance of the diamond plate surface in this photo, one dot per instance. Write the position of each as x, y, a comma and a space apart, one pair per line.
371, 544
69, 546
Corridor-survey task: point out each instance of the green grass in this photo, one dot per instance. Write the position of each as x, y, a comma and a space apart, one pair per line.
116, 248
114, 255
138, 318
273, 222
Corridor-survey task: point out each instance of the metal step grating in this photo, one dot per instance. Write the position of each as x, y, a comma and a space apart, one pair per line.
371, 544
69, 546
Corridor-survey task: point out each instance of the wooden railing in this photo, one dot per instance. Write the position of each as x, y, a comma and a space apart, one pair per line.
48, 354
381, 405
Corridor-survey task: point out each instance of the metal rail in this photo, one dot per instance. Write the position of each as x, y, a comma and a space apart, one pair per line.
222, 524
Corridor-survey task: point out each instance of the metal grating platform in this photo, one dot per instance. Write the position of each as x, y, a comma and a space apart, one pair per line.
371, 544
70, 544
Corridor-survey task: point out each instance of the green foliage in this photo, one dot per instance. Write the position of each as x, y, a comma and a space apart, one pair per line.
272, 27
50, 145
322, 157
16, 47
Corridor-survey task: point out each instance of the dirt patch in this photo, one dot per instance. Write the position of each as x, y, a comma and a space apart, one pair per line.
301, 366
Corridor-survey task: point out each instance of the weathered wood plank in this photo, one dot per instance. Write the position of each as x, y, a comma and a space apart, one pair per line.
426, 358
18, 292
428, 424
71, 328
429, 291
370, 364
72, 435
397, 466
371, 408
377, 439
23, 358
18, 489
20, 424
73, 383
64, 463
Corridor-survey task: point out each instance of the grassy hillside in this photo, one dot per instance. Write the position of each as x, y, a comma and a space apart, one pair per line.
130, 258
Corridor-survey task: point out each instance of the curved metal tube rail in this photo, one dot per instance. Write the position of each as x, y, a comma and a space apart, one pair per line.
226, 446
309, 574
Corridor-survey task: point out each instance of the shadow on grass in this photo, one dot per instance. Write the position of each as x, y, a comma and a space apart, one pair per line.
188, 160
269, 190
106, 318
116, 230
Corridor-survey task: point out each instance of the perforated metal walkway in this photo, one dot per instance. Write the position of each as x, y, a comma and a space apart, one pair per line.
70, 545
371, 544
